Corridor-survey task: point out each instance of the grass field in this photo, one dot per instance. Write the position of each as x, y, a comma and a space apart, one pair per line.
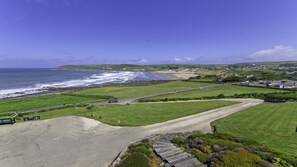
269, 124
21, 104
92, 94
227, 90
134, 91
137, 114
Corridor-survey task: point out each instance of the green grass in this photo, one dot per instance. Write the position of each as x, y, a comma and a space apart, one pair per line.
137, 114
136, 160
92, 94
28, 103
269, 124
134, 91
227, 90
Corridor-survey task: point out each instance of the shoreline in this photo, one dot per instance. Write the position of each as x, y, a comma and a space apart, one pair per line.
148, 78
57, 91
177, 75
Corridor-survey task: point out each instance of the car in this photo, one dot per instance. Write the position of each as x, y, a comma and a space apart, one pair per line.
113, 100
4, 121
34, 118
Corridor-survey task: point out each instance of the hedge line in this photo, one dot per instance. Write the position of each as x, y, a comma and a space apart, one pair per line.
268, 87
268, 97
89, 96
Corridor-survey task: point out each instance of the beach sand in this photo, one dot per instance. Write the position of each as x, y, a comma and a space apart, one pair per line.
178, 75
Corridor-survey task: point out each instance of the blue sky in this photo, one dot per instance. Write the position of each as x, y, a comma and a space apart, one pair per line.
49, 33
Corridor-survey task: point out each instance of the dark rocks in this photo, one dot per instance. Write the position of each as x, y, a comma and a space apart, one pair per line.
198, 141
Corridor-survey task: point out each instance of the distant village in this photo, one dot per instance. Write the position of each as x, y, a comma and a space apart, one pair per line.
287, 84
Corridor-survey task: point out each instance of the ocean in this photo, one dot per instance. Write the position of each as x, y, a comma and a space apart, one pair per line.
19, 82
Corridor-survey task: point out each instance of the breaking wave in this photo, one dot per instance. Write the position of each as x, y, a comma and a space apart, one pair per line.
94, 79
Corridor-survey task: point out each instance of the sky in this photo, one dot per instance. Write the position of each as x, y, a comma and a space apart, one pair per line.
49, 33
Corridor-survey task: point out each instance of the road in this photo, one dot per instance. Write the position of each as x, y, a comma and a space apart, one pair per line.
76, 141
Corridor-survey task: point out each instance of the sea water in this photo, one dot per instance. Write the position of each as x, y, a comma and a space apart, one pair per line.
19, 82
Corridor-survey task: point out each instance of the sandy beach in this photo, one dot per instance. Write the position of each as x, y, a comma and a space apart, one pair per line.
178, 75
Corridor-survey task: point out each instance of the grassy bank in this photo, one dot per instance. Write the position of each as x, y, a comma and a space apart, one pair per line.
227, 90
270, 124
136, 114
214, 150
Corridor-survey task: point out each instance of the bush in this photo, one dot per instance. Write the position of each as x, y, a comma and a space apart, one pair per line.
236, 158
265, 164
221, 96
89, 107
179, 141
222, 142
261, 154
206, 149
135, 160
141, 148
231, 79
204, 136
201, 156
280, 162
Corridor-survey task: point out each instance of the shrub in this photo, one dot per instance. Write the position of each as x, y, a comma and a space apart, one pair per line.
141, 148
135, 160
280, 162
221, 96
261, 154
89, 107
179, 141
201, 156
222, 142
236, 158
206, 149
265, 164
204, 136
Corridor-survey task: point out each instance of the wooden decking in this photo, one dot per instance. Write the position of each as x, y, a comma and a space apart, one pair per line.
174, 156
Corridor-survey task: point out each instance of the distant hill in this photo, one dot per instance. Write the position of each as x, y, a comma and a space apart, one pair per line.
157, 67
133, 67
272, 63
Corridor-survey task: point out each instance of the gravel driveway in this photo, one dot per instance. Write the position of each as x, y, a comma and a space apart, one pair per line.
78, 142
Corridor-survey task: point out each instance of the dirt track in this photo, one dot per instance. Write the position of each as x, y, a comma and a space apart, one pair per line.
76, 141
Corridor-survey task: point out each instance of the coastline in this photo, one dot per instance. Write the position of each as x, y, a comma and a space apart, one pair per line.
82, 81
53, 91
177, 75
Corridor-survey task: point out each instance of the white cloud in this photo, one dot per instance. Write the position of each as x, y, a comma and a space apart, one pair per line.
277, 53
184, 59
189, 58
177, 59
143, 61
